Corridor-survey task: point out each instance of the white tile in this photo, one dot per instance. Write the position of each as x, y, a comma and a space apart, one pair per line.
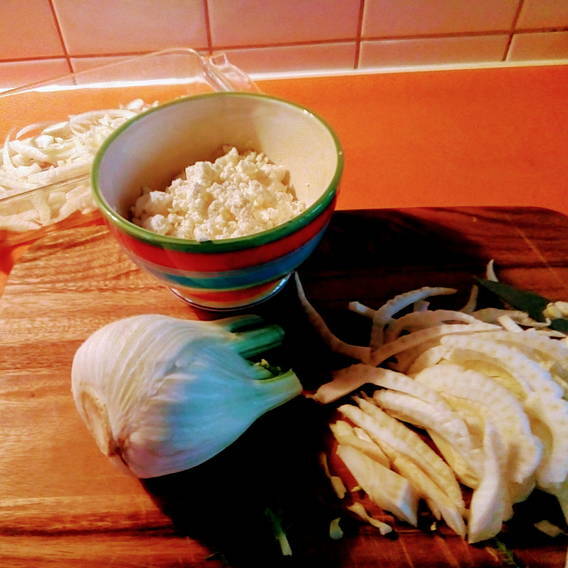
100, 27
392, 18
19, 73
432, 51
539, 46
543, 14
84, 63
313, 57
246, 23
28, 29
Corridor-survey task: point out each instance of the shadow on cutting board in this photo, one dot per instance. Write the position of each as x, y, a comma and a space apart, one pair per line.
368, 256
223, 502
274, 464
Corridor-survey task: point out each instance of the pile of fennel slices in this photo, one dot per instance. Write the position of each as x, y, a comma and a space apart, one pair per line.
462, 403
58, 157
463, 410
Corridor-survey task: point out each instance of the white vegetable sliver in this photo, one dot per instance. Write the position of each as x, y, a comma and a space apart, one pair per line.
489, 505
433, 495
334, 343
361, 512
513, 421
509, 324
548, 528
335, 530
471, 302
431, 356
438, 502
490, 271
415, 338
383, 428
421, 306
399, 382
557, 309
345, 434
46, 153
549, 347
471, 413
355, 376
478, 362
553, 413
383, 315
28, 151
423, 319
362, 435
491, 315
336, 482
517, 419
522, 368
461, 469
555, 351
433, 418
387, 489
361, 309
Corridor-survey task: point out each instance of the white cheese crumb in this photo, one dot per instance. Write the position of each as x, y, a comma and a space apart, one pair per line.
236, 195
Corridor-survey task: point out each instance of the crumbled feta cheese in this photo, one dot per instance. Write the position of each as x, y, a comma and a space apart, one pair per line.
236, 195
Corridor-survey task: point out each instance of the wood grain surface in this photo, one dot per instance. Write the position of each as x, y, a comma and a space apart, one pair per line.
63, 504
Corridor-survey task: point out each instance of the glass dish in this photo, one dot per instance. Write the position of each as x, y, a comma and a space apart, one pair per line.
64, 200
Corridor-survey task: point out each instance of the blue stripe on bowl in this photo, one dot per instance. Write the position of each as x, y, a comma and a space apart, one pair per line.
241, 278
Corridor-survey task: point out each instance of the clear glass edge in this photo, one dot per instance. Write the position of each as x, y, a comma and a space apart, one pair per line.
215, 70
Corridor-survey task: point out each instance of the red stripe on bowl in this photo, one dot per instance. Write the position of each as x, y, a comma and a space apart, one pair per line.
228, 296
223, 261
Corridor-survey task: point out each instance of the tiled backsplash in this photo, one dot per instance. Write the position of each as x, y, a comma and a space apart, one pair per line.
45, 38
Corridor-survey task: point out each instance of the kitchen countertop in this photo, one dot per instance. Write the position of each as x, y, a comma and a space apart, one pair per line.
64, 504
443, 138
446, 138
476, 138
495, 136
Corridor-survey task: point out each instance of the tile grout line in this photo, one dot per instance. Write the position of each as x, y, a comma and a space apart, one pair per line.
87, 55
208, 26
33, 58
550, 30
66, 55
357, 54
512, 32
356, 40
60, 34
289, 43
440, 35
467, 34
386, 38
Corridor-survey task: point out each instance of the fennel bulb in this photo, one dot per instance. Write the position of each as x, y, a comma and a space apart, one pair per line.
161, 395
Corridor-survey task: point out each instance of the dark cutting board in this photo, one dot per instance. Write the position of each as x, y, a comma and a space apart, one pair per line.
62, 504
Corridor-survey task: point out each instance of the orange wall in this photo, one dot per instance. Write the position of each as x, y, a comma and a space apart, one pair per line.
45, 38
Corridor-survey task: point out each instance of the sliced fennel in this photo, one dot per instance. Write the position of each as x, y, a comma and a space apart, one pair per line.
386, 488
161, 395
279, 533
58, 155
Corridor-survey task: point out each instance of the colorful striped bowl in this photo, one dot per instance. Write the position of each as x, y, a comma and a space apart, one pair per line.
154, 147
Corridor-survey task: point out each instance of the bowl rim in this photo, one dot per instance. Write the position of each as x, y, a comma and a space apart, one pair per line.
217, 245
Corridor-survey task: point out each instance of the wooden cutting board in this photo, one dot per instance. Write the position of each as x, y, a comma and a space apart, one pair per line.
62, 504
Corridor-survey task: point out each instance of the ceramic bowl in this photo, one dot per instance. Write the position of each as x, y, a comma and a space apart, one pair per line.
156, 146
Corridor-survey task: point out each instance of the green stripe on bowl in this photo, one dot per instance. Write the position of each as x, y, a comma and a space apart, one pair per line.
222, 245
